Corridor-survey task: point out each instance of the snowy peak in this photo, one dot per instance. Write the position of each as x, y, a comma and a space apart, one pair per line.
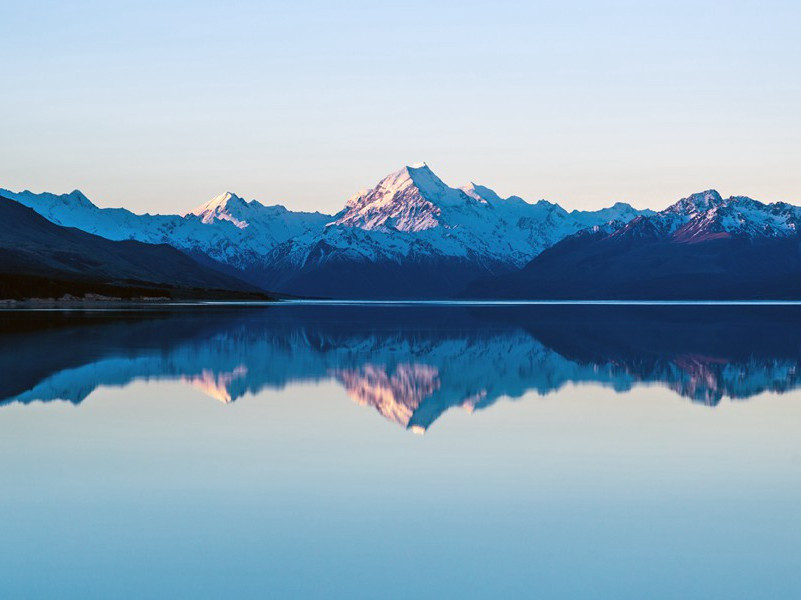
418, 175
707, 216
225, 207
76, 199
431, 186
742, 217
409, 200
620, 211
71, 210
221, 201
664, 224
486, 195
412, 216
481, 193
696, 203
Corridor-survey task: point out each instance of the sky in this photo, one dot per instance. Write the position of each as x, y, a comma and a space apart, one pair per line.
159, 106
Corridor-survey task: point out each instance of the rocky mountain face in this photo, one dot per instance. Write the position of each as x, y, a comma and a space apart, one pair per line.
41, 259
409, 236
412, 236
227, 229
701, 247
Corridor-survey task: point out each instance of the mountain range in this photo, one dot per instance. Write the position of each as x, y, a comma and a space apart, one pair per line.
413, 236
41, 259
703, 247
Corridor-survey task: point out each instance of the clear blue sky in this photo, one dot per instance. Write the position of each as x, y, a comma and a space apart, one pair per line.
159, 106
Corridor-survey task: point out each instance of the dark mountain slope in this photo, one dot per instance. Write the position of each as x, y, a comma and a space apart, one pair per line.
328, 275
613, 268
702, 248
41, 259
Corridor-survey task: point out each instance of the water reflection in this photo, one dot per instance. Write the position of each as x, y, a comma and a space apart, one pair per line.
410, 363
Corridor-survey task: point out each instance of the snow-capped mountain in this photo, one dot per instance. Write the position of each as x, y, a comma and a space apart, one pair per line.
409, 236
706, 215
701, 247
44, 260
408, 200
226, 207
414, 236
456, 221
227, 228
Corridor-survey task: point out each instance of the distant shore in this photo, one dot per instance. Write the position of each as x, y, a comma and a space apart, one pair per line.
95, 300
69, 300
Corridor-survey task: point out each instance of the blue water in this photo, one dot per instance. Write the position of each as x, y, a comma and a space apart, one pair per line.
399, 451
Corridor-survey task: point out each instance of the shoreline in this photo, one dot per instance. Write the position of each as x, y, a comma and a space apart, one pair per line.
97, 301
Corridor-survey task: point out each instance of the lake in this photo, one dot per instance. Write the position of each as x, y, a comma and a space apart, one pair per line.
401, 450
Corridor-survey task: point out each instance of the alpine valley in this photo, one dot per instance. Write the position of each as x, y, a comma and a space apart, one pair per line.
414, 237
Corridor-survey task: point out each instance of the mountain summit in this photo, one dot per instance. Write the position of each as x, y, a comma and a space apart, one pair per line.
412, 235
225, 207
696, 203
407, 200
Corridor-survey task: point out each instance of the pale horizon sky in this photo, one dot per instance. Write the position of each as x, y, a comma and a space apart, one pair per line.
159, 106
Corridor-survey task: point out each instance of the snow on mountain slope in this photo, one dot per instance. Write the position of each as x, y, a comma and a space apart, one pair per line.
407, 200
43, 259
411, 235
707, 215
703, 247
227, 228
411, 217
225, 207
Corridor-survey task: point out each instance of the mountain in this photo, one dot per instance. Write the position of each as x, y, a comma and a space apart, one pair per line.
414, 236
227, 229
411, 236
41, 259
701, 247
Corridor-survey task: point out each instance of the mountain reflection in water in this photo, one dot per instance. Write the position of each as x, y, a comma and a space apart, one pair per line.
411, 363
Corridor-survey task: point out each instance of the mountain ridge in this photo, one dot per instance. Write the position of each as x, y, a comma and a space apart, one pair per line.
701, 247
403, 234
413, 236
42, 259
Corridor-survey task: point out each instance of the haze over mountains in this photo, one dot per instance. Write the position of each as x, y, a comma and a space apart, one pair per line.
413, 236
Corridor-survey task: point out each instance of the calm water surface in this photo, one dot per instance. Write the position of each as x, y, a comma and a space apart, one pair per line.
399, 451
